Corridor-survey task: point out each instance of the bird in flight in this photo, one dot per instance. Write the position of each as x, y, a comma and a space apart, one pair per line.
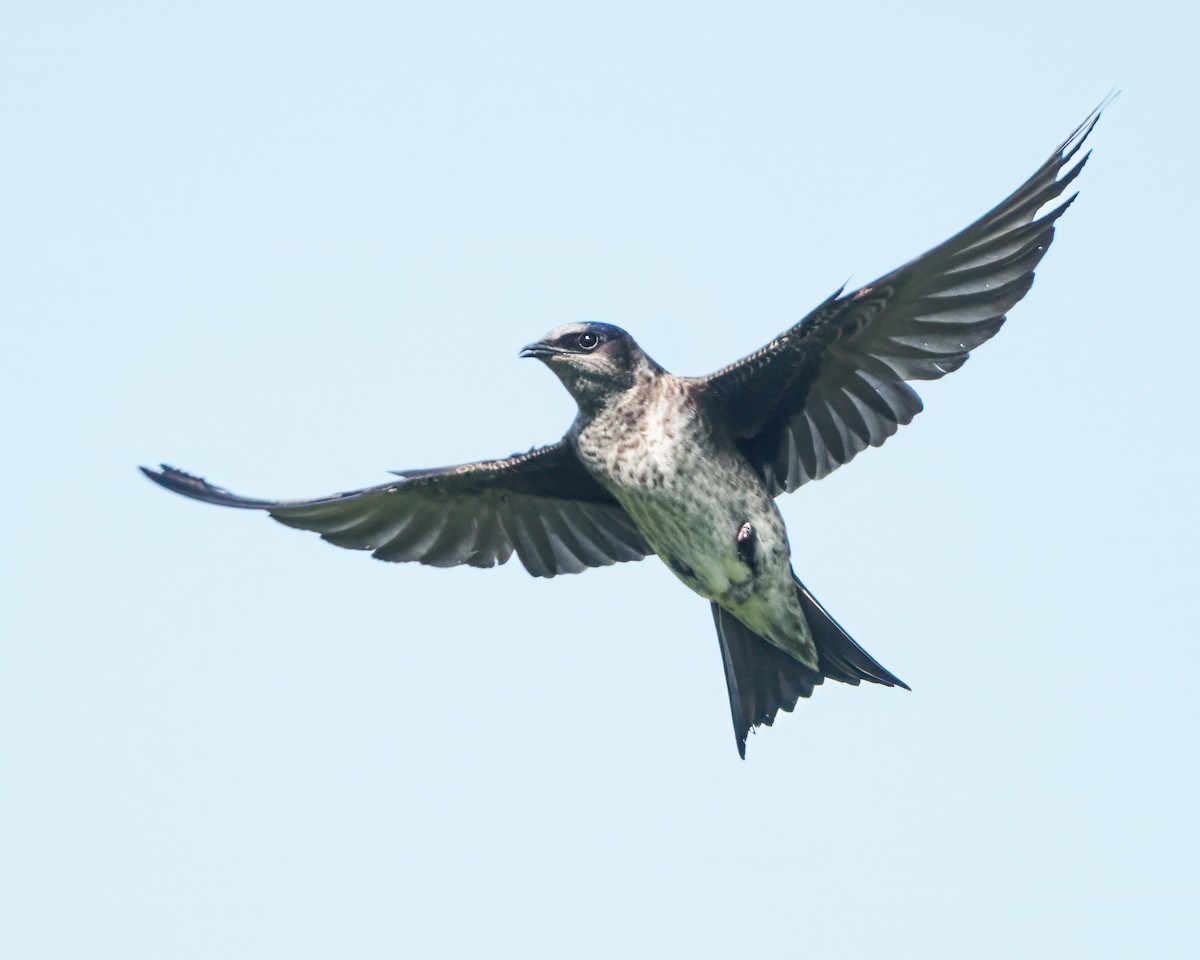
688, 468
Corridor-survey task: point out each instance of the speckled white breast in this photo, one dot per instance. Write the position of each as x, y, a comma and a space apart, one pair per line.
654, 451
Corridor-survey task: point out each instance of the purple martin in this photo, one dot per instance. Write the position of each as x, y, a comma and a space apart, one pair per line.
688, 468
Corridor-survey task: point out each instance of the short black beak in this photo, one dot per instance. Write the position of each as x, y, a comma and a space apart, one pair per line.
537, 350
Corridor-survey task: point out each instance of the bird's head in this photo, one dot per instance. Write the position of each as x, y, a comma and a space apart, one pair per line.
593, 360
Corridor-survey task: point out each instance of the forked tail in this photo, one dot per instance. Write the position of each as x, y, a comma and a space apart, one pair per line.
763, 680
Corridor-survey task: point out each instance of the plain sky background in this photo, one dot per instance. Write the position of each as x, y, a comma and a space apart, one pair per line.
290, 246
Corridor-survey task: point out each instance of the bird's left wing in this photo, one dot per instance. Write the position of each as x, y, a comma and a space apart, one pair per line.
833, 384
542, 504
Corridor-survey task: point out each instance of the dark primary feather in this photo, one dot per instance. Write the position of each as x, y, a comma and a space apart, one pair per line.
540, 504
834, 383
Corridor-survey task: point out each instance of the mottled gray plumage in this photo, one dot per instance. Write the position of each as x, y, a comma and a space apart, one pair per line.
688, 467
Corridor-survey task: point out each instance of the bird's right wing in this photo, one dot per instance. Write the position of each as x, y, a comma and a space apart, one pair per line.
542, 504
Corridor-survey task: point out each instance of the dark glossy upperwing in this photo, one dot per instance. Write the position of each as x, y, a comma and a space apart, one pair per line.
542, 504
833, 384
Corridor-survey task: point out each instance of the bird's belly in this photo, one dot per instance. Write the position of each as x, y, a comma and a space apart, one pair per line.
690, 495
708, 518
698, 538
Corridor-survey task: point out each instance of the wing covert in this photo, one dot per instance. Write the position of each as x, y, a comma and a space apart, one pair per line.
542, 505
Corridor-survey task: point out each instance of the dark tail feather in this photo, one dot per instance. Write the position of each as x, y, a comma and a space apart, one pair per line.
840, 657
762, 679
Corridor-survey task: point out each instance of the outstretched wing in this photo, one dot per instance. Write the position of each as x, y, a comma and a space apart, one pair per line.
833, 384
541, 504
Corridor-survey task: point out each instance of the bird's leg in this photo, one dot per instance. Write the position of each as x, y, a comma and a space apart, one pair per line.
745, 545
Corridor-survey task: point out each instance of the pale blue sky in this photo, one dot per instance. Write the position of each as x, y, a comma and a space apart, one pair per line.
291, 246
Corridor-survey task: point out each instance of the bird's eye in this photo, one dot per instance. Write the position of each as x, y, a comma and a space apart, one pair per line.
587, 341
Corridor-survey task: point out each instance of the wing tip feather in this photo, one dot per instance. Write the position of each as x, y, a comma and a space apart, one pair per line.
197, 488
